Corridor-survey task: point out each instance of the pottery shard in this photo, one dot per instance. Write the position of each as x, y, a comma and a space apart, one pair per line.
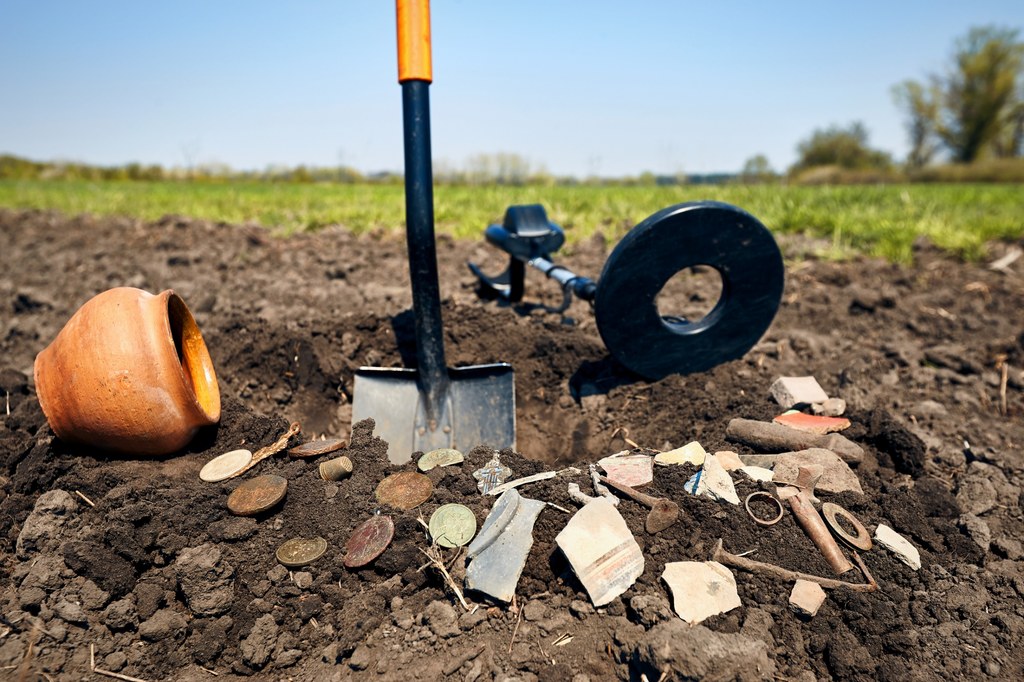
43, 526
500, 550
898, 545
700, 589
789, 392
632, 470
697, 653
205, 579
691, 453
716, 483
836, 477
603, 552
806, 597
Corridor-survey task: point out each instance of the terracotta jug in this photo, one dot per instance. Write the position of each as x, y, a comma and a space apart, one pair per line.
129, 373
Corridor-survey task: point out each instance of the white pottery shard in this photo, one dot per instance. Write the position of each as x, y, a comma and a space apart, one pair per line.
498, 554
691, 453
603, 552
898, 545
716, 482
631, 470
789, 392
700, 589
758, 473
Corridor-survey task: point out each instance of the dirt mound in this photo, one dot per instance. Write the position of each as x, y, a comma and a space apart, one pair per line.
142, 561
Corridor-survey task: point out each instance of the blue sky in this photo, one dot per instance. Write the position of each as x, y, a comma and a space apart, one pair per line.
605, 88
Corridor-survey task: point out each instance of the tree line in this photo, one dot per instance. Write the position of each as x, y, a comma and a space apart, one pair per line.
969, 116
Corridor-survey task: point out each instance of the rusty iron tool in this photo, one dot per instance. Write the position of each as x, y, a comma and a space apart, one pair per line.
723, 557
809, 519
432, 406
663, 512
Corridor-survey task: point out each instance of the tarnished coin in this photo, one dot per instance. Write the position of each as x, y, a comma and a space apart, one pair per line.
301, 551
404, 490
315, 448
257, 495
368, 541
452, 525
225, 466
441, 457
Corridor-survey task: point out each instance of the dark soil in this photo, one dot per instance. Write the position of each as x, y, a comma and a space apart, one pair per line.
163, 582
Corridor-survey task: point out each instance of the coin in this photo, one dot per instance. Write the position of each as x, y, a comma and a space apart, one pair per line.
452, 525
301, 551
257, 495
368, 541
315, 448
225, 466
441, 457
404, 490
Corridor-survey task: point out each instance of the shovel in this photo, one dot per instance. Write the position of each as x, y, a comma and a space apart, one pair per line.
663, 512
432, 406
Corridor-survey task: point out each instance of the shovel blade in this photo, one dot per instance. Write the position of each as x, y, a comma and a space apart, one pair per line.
479, 409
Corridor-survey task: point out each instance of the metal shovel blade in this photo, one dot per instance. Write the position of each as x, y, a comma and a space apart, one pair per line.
479, 409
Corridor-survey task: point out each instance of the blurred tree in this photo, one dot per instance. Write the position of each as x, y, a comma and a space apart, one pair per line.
843, 147
757, 169
981, 98
921, 104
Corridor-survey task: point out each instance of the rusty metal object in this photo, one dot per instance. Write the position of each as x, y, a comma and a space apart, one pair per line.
315, 448
766, 495
743, 563
809, 519
404, 490
863, 538
663, 512
257, 495
771, 437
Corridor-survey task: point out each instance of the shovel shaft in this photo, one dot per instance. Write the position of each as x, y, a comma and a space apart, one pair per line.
419, 234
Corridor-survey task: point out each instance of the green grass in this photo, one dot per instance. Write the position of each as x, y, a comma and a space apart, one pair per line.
882, 220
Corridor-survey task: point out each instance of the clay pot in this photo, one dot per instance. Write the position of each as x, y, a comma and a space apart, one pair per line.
129, 373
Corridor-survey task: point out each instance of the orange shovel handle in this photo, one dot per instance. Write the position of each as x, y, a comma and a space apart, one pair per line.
414, 40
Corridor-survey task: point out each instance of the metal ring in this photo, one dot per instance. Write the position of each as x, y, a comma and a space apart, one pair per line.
775, 501
830, 511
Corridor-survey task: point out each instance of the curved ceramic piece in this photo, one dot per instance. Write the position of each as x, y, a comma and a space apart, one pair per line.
129, 373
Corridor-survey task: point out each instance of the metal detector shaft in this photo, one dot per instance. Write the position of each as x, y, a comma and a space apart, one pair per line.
581, 286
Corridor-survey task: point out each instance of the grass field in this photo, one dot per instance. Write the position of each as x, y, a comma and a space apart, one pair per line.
881, 220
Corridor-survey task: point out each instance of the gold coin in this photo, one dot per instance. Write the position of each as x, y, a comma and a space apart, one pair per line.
257, 495
441, 457
404, 490
301, 551
225, 466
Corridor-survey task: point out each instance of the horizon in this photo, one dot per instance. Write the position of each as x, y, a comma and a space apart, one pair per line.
612, 92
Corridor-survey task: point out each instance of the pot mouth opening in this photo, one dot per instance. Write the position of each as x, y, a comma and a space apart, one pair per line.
196, 364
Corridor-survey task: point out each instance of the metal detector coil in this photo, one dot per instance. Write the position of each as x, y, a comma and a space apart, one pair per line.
707, 233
